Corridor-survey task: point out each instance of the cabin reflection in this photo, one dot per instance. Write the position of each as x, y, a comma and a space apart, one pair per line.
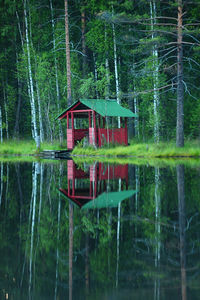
97, 185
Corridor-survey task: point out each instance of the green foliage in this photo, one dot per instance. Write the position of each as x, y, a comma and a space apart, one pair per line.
87, 88
25, 147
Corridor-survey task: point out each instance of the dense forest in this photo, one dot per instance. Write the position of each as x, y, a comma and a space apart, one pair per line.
144, 53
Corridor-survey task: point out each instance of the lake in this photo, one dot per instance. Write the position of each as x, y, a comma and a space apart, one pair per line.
99, 231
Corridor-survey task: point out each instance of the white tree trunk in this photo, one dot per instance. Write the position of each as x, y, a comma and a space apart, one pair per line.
19, 99
56, 70
155, 73
136, 111
27, 75
32, 97
116, 68
95, 75
50, 134
68, 60
40, 114
107, 87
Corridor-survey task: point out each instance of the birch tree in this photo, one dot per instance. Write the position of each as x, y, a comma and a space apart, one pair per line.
107, 86
19, 100
83, 42
116, 67
32, 97
153, 16
68, 63
39, 113
56, 69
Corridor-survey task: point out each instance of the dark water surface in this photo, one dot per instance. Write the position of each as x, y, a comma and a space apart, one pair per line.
99, 231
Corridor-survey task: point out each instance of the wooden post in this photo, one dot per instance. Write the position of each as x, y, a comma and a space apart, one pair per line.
104, 122
90, 188
67, 120
99, 121
126, 123
89, 119
126, 133
73, 187
68, 187
72, 117
95, 128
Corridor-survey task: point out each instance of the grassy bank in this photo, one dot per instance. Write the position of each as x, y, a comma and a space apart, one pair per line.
25, 148
145, 150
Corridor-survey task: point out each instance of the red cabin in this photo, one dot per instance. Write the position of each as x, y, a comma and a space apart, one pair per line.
96, 120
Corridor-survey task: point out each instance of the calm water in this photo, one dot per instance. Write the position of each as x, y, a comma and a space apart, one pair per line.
99, 231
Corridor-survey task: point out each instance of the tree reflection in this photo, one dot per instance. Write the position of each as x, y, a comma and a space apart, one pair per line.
157, 232
182, 227
71, 211
84, 253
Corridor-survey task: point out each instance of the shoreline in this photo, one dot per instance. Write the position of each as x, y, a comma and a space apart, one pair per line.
20, 150
144, 150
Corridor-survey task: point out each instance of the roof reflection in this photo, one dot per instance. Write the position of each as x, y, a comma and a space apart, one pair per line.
97, 185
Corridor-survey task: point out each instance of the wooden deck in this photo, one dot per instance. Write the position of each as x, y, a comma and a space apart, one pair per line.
55, 154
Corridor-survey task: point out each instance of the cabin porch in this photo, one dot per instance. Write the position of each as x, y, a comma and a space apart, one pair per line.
96, 129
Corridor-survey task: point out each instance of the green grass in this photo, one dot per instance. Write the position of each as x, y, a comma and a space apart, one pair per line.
161, 154
145, 150
25, 148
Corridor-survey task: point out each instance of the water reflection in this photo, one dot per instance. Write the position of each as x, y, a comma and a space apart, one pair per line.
182, 227
91, 188
82, 232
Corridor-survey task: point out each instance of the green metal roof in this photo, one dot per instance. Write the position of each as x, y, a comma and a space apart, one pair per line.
104, 107
111, 199
108, 108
